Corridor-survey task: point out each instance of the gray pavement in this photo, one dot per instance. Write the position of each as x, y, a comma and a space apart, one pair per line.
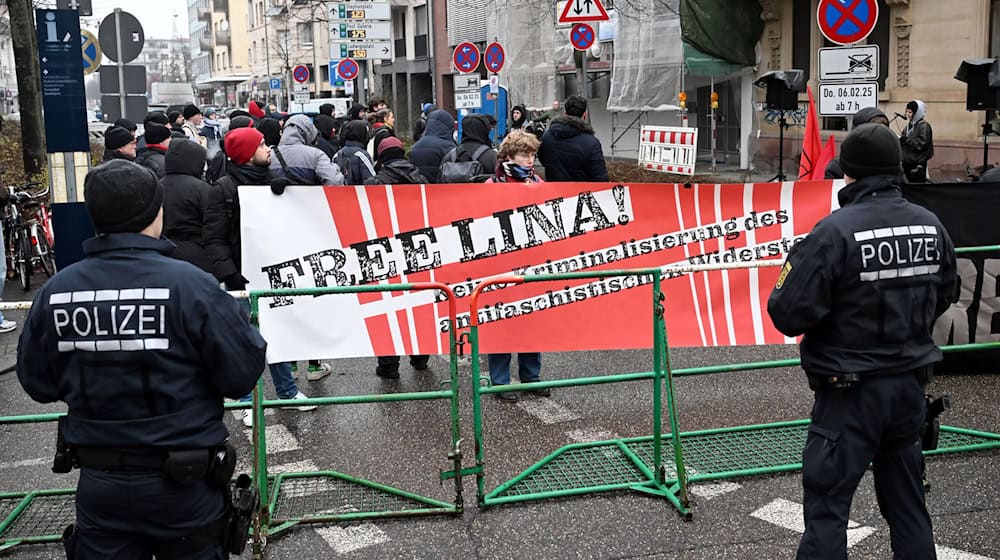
406, 444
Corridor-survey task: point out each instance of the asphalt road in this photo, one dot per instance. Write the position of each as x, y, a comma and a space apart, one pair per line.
406, 444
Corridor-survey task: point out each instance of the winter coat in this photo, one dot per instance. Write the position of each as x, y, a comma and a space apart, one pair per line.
476, 132
917, 143
379, 132
571, 152
221, 234
397, 172
115, 154
326, 126
435, 143
152, 157
192, 132
184, 197
353, 158
296, 158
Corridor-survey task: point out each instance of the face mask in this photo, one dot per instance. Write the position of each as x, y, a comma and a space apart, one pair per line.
518, 172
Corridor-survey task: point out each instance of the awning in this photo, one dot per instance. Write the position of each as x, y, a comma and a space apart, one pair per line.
224, 80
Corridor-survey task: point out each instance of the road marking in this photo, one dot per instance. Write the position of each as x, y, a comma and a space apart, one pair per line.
298, 466
707, 491
345, 539
238, 414
945, 553
788, 515
25, 463
587, 435
279, 439
547, 410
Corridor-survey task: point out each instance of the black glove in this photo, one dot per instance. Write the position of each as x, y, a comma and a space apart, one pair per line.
278, 185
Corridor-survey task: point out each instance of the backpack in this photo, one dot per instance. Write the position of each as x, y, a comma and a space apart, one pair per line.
294, 175
351, 163
470, 171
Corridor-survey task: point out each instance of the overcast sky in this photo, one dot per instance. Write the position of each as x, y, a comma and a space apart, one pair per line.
156, 16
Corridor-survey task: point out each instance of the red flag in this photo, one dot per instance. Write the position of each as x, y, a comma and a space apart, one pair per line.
825, 157
812, 145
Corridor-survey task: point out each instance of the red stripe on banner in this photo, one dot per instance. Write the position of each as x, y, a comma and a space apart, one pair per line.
659, 168
378, 331
663, 136
404, 331
767, 196
345, 207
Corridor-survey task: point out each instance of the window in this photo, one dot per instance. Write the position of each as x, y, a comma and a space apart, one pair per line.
305, 31
325, 73
399, 25
420, 20
995, 28
803, 21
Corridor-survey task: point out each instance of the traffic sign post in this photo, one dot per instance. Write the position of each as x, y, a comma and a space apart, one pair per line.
466, 57
359, 10
467, 92
836, 100
361, 50
300, 74
91, 51
582, 36
849, 63
845, 23
121, 38
274, 84
361, 30
576, 11
494, 57
348, 69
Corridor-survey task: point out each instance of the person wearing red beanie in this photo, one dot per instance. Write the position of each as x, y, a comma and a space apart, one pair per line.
242, 144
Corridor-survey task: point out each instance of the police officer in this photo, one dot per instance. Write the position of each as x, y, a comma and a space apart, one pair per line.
142, 348
864, 288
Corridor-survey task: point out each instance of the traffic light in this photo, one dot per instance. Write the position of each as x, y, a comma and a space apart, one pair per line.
683, 97
715, 100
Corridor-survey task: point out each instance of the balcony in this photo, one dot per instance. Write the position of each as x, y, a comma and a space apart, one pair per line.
222, 38
205, 41
220, 6
204, 14
420, 46
400, 45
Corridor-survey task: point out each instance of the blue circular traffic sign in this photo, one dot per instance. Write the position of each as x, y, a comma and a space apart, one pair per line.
494, 57
846, 22
300, 74
347, 69
466, 57
582, 36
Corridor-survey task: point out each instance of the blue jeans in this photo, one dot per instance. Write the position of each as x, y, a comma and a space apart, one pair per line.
281, 373
529, 367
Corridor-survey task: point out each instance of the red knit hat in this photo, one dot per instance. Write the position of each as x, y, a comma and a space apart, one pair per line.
241, 144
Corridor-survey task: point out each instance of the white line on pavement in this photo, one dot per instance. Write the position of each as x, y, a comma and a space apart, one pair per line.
279, 439
709, 490
25, 463
547, 410
788, 514
345, 539
298, 466
945, 553
587, 435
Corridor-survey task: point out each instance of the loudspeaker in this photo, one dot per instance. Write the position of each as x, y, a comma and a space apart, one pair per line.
783, 87
979, 96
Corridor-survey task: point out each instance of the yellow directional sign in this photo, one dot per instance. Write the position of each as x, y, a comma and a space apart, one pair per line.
91, 51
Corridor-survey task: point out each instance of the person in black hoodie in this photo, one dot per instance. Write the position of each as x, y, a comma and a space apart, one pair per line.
437, 140
570, 151
518, 118
327, 141
184, 197
153, 154
395, 170
271, 129
475, 134
354, 161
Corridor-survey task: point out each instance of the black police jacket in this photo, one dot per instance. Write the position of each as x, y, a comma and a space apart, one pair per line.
865, 286
140, 346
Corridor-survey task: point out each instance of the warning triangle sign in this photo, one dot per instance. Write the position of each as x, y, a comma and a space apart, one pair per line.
583, 10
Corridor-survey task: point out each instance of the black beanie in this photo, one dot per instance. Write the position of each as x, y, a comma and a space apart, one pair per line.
158, 117
115, 137
126, 124
122, 197
156, 133
870, 149
240, 121
190, 111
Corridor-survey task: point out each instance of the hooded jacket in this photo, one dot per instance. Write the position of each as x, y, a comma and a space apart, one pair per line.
152, 157
475, 133
833, 169
917, 143
221, 233
519, 123
296, 157
326, 125
571, 152
436, 142
184, 197
864, 300
353, 158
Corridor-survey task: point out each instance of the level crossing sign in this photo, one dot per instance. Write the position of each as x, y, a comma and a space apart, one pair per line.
846, 22
300, 74
576, 11
348, 69
494, 57
582, 36
466, 57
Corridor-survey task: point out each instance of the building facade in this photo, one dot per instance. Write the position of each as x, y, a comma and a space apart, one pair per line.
8, 74
405, 80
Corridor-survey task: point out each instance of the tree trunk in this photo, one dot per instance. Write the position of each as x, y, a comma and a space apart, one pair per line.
29, 85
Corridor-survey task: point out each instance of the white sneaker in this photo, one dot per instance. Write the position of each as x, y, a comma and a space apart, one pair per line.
306, 408
315, 374
7, 326
248, 418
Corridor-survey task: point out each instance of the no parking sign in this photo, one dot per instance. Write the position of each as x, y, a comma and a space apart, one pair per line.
846, 22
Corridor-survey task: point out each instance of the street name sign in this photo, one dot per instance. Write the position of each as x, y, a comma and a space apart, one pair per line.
361, 29
847, 98
358, 10
360, 50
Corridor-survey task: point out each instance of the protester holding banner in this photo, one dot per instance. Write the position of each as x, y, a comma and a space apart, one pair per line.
516, 164
249, 158
864, 289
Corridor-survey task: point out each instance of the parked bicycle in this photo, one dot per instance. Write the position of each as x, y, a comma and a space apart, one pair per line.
27, 228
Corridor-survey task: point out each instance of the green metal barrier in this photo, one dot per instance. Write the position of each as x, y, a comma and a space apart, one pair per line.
289, 499
700, 456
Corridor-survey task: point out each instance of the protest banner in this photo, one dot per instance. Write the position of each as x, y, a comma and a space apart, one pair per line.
459, 235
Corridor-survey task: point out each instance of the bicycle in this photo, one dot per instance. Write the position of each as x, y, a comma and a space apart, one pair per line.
28, 240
